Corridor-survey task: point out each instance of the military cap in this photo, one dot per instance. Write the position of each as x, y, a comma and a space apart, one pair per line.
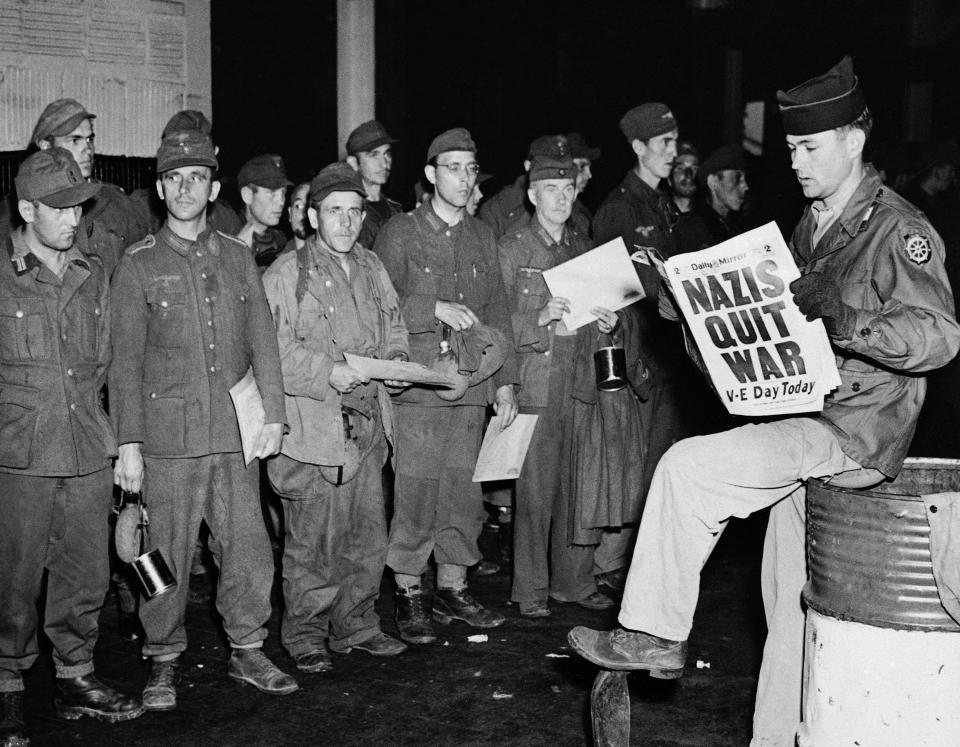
190, 148
579, 147
337, 177
53, 177
555, 146
686, 148
264, 171
724, 158
825, 102
552, 167
647, 120
188, 120
456, 139
368, 136
61, 117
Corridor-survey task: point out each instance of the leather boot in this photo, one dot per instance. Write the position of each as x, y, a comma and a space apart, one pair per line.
251, 666
411, 617
160, 692
87, 696
12, 728
457, 604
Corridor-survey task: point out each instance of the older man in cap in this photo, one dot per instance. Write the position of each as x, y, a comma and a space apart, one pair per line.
190, 321
55, 456
263, 187
152, 211
328, 298
717, 217
508, 210
443, 263
872, 270
110, 221
544, 560
370, 153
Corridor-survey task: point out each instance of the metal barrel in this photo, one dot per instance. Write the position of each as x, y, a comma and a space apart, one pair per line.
868, 551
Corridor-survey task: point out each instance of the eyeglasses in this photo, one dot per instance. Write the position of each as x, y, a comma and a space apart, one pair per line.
457, 168
686, 170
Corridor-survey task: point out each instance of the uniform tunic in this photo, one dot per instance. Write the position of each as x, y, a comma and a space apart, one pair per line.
888, 262
191, 318
55, 448
437, 506
335, 544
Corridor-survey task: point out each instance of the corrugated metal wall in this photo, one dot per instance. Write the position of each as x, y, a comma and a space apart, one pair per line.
124, 61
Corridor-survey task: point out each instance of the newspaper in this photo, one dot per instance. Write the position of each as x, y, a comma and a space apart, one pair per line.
763, 356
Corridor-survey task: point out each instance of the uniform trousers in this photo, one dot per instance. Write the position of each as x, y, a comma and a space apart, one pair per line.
217, 489
437, 508
543, 498
335, 550
699, 484
59, 525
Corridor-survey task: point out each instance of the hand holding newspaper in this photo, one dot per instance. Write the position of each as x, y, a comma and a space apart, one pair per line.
763, 356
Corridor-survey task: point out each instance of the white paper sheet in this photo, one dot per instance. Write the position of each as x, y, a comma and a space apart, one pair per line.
504, 449
249, 406
415, 373
601, 277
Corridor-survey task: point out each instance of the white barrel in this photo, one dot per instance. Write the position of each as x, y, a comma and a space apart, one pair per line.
879, 687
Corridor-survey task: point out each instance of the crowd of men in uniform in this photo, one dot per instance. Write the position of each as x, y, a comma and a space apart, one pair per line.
155, 305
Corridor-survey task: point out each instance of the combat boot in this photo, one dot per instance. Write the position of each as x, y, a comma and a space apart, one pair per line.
12, 728
457, 604
87, 696
411, 617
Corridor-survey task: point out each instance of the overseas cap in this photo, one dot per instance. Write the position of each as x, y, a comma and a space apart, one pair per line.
551, 167
368, 136
724, 158
190, 148
456, 139
337, 177
264, 171
579, 147
647, 120
61, 117
830, 100
53, 177
188, 120
555, 146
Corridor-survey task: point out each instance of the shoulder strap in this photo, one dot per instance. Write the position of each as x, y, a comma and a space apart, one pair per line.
303, 259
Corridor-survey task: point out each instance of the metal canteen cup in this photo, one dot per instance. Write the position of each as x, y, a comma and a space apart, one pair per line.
132, 534
611, 367
154, 573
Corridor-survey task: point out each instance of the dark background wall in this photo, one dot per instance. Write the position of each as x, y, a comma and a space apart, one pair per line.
510, 71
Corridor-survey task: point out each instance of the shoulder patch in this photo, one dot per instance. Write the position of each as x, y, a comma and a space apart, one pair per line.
917, 248
145, 243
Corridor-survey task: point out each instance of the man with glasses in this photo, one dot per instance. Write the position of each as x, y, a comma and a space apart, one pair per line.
191, 320
443, 263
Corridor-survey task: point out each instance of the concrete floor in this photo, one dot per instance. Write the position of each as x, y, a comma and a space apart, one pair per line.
521, 687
